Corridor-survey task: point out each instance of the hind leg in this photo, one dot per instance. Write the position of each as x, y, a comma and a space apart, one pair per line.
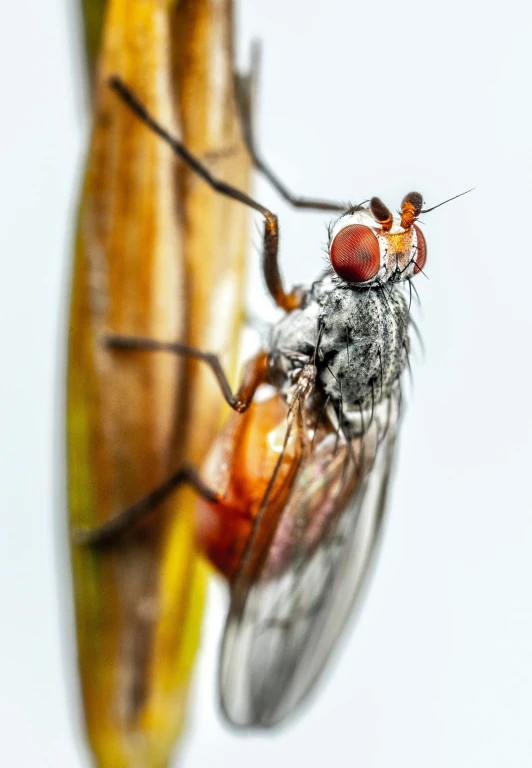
111, 532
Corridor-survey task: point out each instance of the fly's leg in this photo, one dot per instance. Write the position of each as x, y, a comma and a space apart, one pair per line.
255, 372
246, 87
110, 533
107, 535
270, 265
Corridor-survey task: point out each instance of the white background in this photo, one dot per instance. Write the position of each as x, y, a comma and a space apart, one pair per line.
357, 99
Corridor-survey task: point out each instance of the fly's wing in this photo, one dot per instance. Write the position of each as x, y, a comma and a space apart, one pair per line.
290, 603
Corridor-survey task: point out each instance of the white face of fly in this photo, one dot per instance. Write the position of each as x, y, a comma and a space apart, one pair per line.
369, 245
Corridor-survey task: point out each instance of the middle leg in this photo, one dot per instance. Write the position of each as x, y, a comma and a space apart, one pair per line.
255, 371
110, 533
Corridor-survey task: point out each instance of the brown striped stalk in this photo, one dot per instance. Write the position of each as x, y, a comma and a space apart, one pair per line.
157, 254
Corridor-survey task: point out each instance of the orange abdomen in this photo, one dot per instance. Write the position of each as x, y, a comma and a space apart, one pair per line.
240, 466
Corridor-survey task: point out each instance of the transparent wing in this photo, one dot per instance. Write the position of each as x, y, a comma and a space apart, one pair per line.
290, 603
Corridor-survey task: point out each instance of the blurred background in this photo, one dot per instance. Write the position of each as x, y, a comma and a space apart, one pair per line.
356, 99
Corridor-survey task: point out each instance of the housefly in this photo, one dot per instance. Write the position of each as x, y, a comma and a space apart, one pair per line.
293, 492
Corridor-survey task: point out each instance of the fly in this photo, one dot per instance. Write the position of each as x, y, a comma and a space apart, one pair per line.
293, 491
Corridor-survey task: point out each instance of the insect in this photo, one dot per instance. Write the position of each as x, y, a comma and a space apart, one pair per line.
293, 492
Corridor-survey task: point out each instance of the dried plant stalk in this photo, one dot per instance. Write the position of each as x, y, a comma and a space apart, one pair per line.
215, 228
93, 15
157, 254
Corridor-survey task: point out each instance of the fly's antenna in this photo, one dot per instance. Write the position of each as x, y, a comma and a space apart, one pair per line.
428, 210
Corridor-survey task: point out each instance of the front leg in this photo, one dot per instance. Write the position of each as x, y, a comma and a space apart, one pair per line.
246, 86
270, 265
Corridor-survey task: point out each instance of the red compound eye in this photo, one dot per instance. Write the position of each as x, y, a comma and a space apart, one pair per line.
421, 255
355, 254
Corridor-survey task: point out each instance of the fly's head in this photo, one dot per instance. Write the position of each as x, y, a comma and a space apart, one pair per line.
370, 245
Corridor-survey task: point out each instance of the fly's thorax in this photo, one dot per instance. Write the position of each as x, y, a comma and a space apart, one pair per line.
292, 342
363, 343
